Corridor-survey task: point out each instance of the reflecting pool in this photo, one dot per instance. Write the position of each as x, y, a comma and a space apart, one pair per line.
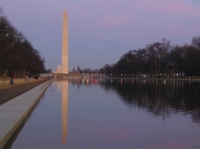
114, 114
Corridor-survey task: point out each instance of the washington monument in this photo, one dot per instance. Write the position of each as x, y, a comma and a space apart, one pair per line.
65, 44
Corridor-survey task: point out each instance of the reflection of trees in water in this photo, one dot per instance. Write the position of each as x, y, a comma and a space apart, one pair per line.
159, 97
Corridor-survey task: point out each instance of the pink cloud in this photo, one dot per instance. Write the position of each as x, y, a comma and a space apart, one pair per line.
143, 12
178, 7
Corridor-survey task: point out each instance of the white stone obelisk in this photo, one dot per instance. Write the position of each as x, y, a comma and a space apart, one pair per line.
65, 44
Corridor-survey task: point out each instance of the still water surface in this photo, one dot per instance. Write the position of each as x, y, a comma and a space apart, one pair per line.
114, 114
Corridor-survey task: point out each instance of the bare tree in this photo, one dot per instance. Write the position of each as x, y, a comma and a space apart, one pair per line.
1, 11
16, 52
196, 42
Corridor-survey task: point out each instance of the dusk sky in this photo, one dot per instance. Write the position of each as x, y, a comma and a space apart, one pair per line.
101, 31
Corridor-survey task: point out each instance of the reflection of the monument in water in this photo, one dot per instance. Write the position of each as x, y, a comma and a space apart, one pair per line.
63, 86
64, 110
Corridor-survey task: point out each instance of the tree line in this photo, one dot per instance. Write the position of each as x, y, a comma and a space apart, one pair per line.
159, 59
16, 52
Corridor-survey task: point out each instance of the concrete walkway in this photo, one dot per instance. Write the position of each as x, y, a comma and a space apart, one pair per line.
14, 112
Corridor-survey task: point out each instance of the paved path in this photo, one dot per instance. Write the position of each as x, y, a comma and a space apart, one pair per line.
7, 91
14, 112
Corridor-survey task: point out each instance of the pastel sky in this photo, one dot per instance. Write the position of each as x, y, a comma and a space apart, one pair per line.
101, 31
